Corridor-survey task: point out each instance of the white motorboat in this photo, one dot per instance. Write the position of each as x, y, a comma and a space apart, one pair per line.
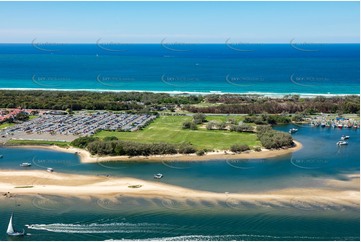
344, 137
339, 143
25, 164
158, 176
49, 169
293, 130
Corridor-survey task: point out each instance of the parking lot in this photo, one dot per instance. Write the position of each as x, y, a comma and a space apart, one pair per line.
79, 124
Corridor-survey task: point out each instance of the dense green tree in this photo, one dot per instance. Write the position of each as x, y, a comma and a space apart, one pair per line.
189, 125
237, 148
273, 139
199, 118
82, 142
22, 116
110, 138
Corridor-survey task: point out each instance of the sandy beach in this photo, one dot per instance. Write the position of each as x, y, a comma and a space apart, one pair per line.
86, 157
13, 183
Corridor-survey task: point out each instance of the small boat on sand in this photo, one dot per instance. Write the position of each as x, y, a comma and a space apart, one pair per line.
49, 169
25, 164
11, 231
158, 176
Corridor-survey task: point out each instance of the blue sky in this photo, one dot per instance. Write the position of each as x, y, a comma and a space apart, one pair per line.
184, 22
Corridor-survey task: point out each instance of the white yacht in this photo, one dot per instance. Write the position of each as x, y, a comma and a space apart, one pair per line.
11, 231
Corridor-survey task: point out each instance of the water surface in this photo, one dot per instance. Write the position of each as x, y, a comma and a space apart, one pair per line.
57, 218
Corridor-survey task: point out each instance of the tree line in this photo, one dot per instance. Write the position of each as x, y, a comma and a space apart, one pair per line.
236, 104
148, 101
78, 100
114, 147
267, 119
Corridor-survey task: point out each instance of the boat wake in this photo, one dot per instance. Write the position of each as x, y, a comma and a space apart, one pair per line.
242, 237
96, 228
166, 229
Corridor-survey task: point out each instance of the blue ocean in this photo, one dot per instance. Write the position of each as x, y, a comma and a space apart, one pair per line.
273, 69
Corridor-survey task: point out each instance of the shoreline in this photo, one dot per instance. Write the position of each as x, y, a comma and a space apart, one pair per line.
37, 183
86, 157
264, 94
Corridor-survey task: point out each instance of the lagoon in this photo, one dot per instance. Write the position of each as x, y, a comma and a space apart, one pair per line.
58, 218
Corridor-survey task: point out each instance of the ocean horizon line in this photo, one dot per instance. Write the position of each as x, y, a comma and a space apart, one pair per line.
185, 42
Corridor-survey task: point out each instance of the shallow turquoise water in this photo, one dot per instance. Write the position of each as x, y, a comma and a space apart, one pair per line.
320, 157
55, 218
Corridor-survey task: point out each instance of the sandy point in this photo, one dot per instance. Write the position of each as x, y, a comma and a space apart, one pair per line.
33, 183
86, 157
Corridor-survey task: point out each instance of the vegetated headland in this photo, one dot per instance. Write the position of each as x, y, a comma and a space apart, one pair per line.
133, 125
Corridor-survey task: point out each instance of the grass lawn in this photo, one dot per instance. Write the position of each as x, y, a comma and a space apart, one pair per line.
5, 125
169, 129
225, 118
37, 142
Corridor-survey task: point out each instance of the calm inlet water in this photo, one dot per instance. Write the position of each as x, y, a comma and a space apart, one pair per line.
56, 218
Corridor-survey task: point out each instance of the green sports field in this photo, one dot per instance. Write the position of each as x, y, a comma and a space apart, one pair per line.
169, 129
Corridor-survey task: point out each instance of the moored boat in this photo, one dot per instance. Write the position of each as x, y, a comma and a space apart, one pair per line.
344, 137
25, 164
293, 130
339, 143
